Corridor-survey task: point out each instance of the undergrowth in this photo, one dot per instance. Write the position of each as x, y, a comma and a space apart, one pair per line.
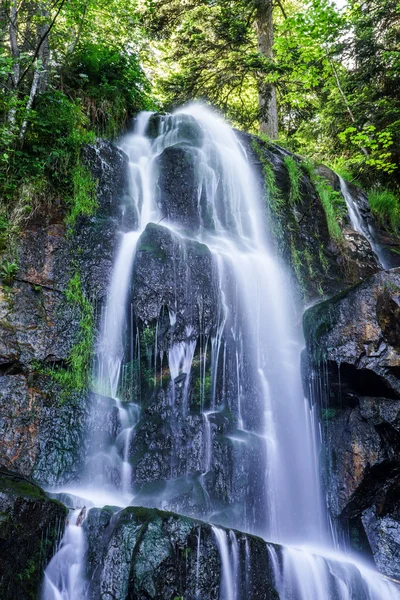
332, 202
84, 200
385, 206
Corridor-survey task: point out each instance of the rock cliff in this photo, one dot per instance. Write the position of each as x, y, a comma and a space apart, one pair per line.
354, 349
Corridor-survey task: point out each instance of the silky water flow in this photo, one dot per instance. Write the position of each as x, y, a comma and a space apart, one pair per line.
253, 348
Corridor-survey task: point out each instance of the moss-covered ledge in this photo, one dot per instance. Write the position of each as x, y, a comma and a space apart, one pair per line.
30, 525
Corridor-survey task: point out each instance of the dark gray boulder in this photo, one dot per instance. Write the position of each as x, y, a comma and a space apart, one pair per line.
177, 275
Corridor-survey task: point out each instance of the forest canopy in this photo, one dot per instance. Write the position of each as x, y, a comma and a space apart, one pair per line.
321, 80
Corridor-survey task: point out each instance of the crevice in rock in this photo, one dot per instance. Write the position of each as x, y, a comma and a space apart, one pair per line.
372, 488
347, 381
39, 285
12, 368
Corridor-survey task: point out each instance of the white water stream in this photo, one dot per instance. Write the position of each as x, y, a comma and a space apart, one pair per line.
64, 576
256, 308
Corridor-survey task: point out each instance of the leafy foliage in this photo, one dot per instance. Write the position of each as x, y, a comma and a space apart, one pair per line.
69, 72
84, 200
8, 271
110, 84
336, 73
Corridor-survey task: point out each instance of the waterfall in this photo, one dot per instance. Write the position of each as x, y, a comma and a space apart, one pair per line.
248, 363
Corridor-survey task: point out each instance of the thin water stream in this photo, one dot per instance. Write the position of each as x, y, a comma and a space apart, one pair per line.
359, 223
255, 317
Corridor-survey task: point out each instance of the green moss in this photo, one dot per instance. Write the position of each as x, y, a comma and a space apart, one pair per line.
16, 486
297, 265
385, 206
274, 200
201, 390
295, 175
332, 202
328, 414
84, 199
323, 260
76, 377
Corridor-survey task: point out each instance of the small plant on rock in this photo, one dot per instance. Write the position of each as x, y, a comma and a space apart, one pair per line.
8, 271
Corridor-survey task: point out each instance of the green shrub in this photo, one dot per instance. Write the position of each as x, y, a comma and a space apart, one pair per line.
110, 84
385, 205
56, 133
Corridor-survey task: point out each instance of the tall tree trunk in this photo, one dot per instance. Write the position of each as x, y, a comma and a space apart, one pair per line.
267, 91
15, 56
44, 52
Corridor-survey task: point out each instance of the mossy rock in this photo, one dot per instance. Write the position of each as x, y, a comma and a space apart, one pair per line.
30, 526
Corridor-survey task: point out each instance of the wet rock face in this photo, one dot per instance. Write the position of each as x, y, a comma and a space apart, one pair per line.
383, 536
177, 186
180, 276
30, 526
140, 554
40, 437
108, 165
357, 260
43, 431
353, 341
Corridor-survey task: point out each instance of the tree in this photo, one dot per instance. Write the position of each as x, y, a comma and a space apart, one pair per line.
267, 91
67, 70
221, 51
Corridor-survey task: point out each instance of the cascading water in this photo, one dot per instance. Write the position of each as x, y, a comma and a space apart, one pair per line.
64, 575
247, 355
